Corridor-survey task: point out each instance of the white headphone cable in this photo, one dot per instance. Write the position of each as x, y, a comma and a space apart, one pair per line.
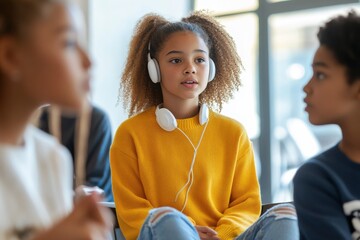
190, 179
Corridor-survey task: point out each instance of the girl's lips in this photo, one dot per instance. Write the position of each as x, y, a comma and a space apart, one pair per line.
308, 107
306, 101
86, 84
189, 81
189, 84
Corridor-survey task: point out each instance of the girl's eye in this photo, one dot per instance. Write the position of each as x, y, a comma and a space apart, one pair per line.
319, 75
69, 43
200, 60
176, 60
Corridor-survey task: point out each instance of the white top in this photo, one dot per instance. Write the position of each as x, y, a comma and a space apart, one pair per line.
35, 184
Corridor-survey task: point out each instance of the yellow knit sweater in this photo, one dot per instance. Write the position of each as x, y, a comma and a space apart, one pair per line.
150, 165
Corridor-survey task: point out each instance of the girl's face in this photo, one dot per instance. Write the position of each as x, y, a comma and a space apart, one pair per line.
329, 98
53, 68
184, 66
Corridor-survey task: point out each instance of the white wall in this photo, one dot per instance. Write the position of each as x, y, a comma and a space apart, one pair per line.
110, 27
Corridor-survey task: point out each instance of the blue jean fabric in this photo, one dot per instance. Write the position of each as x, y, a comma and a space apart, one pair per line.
166, 223
278, 223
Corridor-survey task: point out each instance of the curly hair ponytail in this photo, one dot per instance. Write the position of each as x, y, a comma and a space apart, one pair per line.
152, 31
138, 91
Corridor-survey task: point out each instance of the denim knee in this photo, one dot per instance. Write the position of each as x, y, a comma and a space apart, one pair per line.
157, 214
283, 210
165, 223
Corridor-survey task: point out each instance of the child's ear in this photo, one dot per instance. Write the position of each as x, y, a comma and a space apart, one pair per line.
357, 88
8, 58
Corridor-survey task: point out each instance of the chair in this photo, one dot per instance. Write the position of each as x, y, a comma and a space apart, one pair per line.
296, 144
116, 234
267, 206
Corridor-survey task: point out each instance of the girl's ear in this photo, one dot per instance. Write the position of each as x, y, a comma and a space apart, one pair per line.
358, 89
9, 58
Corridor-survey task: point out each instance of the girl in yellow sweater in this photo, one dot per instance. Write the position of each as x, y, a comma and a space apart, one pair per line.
179, 169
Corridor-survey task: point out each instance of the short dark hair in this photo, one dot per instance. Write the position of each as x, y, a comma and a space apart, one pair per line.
341, 35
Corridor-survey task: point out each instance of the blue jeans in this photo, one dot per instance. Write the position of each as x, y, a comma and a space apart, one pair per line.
167, 223
278, 223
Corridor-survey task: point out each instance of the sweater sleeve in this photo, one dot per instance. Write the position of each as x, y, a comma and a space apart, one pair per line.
245, 203
320, 215
132, 207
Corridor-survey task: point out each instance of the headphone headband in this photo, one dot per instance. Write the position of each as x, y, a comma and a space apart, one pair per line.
154, 69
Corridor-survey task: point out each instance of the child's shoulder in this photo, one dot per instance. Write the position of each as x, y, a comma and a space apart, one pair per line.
325, 162
225, 120
137, 122
37, 136
44, 144
140, 117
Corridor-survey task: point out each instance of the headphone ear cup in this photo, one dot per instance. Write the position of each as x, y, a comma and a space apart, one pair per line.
165, 119
212, 70
203, 114
154, 70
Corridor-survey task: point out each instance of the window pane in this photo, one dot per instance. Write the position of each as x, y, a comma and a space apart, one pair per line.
243, 107
226, 6
293, 44
275, 1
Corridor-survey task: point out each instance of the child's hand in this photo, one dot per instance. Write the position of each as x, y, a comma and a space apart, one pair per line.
88, 220
82, 191
206, 233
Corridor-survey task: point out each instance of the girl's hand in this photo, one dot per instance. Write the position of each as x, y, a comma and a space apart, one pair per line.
88, 220
206, 233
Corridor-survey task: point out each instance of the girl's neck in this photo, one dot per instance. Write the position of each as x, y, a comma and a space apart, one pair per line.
350, 143
14, 119
181, 110
352, 151
12, 131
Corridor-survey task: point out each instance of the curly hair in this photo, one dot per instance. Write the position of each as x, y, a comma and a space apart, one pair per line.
341, 35
150, 34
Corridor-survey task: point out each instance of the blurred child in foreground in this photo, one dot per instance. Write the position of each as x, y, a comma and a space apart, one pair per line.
41, 62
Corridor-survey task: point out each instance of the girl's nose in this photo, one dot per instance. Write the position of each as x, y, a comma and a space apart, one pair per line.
190, 68
307, 88
86, 62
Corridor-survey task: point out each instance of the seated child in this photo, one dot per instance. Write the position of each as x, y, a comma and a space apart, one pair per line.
326, 188
41, 63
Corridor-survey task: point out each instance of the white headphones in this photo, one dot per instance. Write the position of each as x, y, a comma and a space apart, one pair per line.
167, 121
154, 70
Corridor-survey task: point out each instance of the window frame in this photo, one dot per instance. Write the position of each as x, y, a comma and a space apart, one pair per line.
264, 11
